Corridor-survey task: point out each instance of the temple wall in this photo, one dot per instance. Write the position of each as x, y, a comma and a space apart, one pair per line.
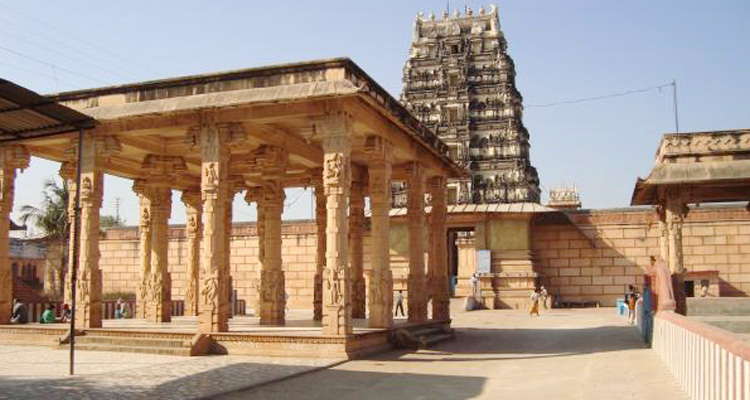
591, 255
595, 255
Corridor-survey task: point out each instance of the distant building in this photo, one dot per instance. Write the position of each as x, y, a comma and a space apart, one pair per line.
460, 82
564, 197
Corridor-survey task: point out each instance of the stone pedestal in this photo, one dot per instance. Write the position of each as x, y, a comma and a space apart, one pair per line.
12, 158
381, 281
417, 295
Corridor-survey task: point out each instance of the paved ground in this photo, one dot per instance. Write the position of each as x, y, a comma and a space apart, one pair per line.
565, 354
29, 372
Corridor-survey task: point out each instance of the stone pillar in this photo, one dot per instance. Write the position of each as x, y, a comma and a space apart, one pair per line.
675, 210
235, 185
68, 174
320, 255
11, 159
271, 162
335, 130
194, 209
216, 142
89, 284
381, 281
154, 291
438, 267
417, 296
142, 294
356, 262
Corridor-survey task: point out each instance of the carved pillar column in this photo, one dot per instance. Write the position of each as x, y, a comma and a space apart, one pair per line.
675, 210
417, 296
155, 289
438, 267
142, 294
215, 142
235, 185
68, 173
336, 179
271, 163
320, 255
381, 280
11, 159
194, 209
96, 149
356, 262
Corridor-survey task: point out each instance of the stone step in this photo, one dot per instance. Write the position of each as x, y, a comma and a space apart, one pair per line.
132, 341
438, 338
165, 351
718, 306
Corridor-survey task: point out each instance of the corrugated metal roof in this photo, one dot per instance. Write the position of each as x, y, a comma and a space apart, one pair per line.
25, 114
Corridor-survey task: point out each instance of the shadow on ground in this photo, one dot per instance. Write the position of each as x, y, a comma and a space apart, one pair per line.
128, 385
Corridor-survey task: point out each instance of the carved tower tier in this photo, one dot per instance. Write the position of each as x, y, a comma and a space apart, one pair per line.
460, 82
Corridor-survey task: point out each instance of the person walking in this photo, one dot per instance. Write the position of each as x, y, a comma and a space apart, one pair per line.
118, 309
543, 294
399, 303
631, 297
534, 303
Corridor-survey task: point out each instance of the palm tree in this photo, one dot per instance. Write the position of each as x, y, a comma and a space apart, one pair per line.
52, 219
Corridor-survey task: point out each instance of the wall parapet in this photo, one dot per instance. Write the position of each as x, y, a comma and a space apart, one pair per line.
708, 362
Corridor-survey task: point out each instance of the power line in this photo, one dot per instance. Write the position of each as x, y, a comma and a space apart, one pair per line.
53, 65
82, 40
61, 43
66, 55
603, 97
29, 71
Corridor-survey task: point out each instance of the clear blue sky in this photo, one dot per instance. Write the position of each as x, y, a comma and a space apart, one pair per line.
562, 50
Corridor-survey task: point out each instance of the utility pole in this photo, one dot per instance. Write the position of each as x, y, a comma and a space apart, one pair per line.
117, 208
674, 103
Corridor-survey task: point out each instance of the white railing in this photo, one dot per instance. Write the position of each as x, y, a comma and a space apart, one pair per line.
709, 363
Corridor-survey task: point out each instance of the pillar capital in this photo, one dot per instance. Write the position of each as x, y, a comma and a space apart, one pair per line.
228, 135
269, 161
335, 124
161, 169
378, 151
14, 157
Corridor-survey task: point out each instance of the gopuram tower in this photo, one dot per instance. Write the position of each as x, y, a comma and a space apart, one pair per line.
460, 82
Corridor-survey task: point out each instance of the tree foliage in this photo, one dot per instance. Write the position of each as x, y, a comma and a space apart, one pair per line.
52, 216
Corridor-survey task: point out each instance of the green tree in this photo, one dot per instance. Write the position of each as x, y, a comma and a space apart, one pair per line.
52, 219
108, 221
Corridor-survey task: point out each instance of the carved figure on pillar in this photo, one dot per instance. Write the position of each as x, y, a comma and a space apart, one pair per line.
356, 251
193, 206
417, 294
379, 158
335, 130
438, 267
12, 158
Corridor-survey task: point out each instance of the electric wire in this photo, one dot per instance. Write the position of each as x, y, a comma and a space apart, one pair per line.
603, 97
66, 55
82, 40
53, 65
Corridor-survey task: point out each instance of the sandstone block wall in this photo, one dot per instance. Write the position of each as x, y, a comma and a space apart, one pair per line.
594, 255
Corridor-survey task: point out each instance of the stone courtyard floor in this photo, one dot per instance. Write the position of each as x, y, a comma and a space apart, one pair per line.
564, 354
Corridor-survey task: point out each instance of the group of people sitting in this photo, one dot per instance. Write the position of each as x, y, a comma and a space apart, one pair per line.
49, 316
